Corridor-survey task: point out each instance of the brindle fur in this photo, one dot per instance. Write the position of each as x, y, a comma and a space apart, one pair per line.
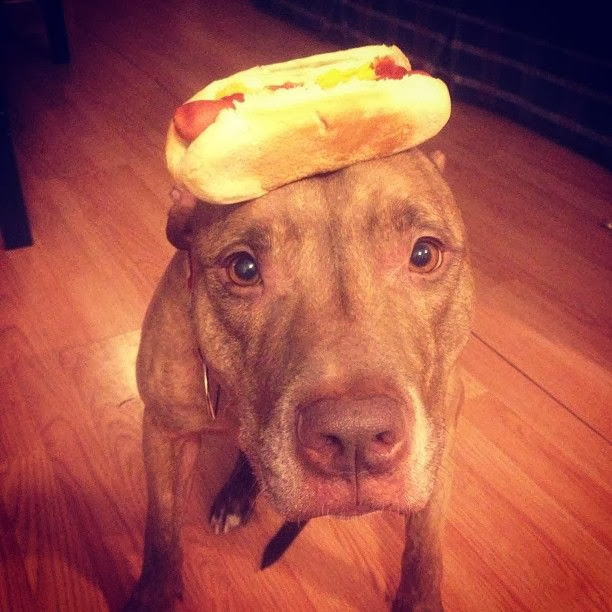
334, 253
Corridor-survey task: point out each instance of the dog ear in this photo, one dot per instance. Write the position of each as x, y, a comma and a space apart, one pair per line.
439, 160
179, 227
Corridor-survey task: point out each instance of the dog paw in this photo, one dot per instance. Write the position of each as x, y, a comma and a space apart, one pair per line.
409, 605
234, 504
150, 596
223, 520
232, 507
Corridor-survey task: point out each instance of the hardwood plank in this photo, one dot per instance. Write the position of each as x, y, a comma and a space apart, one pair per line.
544, 481
534, 213
529, 522
15, 593
57, 564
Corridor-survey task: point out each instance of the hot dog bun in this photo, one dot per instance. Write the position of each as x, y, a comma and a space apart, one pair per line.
276, 137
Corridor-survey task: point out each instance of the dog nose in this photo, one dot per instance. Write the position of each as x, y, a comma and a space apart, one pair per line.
346, 436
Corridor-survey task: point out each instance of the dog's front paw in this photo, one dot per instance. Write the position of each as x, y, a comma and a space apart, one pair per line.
234, 504
402, 604
154, 595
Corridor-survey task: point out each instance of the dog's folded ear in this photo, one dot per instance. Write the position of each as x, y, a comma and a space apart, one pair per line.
439, 160
179, 227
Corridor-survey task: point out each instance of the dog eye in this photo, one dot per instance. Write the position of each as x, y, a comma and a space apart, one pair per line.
426, 256
243, 270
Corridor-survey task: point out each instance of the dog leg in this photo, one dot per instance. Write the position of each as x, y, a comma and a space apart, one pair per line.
169, 460
419, 587
421, 576
234, 504
421, 573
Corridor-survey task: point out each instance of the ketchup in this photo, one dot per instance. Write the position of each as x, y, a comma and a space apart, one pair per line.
192, 118
386, 68
286, 85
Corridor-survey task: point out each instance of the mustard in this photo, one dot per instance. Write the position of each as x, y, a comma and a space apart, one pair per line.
234, 87
327, 80
332, 77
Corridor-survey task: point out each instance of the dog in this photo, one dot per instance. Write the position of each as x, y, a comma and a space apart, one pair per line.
327, 316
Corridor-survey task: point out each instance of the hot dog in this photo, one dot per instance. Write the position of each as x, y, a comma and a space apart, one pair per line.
262, 128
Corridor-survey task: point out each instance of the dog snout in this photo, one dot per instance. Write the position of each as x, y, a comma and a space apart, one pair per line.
348, 436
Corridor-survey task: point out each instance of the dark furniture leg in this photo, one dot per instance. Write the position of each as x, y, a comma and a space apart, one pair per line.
53, 14
13, 215
14, 224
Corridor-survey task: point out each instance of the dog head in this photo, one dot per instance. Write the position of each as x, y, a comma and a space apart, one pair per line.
332, 312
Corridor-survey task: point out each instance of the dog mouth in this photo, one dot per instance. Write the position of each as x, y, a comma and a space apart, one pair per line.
346, 496
345, 455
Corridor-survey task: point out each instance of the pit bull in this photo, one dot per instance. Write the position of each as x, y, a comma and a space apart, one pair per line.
328, 316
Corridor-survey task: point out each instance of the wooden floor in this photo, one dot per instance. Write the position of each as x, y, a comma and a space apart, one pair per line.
530, 524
